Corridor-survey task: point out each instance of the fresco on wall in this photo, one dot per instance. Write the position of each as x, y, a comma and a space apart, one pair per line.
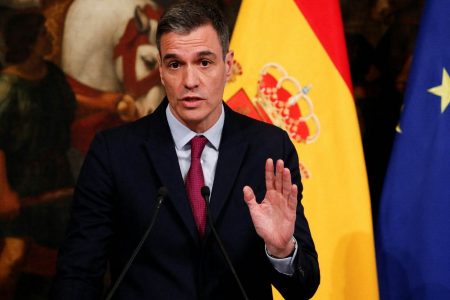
68, 69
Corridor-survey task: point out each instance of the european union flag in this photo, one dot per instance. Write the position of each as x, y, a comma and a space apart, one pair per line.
413, 234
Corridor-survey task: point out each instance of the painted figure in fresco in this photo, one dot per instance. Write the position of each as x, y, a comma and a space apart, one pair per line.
37, 107
109, 54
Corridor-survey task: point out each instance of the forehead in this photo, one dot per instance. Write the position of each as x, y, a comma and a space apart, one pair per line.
201, 38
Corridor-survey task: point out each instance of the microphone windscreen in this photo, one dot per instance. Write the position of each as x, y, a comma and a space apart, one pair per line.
162, 192
205, 191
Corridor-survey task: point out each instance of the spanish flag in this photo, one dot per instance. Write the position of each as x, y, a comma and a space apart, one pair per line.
291, 70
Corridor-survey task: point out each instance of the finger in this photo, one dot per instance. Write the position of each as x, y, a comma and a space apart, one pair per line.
269, 175
279, 175
249, 196
287, 183
293, 200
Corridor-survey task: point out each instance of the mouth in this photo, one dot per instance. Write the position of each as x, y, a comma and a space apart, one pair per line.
191, 98
192, 102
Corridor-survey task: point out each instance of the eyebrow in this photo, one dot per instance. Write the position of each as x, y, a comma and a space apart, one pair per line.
199, 54
169, 56
207, 53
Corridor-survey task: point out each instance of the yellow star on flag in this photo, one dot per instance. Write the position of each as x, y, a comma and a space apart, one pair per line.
443, 90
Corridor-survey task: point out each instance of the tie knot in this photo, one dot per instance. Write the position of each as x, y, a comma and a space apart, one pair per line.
197, 145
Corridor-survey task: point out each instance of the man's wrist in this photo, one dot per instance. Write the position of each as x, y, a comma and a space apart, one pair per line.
287, 252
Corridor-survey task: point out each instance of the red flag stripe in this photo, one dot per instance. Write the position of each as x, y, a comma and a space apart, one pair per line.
324, 17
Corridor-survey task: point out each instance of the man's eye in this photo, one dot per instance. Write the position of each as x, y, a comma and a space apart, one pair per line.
205, 63
174, 65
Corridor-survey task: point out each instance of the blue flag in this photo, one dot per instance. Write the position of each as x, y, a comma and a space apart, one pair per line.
413, 233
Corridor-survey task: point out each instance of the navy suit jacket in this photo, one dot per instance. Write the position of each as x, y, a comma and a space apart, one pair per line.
115, 199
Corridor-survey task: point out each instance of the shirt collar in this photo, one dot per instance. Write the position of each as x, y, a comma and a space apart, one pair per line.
182, 135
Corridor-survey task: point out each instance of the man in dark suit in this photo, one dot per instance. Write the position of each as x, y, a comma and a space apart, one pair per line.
251, 168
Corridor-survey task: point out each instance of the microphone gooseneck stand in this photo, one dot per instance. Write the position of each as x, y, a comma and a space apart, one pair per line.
206, 194
162, 194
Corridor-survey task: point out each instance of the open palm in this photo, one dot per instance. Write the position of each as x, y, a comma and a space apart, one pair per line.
274, 218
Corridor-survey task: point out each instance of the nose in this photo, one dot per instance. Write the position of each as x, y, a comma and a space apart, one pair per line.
191, 80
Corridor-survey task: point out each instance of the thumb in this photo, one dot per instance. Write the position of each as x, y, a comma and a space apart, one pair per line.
249, 196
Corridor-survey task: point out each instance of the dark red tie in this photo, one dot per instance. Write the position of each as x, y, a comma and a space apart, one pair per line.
195, 181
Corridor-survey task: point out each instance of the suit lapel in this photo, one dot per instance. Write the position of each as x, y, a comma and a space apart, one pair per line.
232, 150
160, 149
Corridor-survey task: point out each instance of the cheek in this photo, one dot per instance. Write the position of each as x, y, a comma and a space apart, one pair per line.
168, 83
217, 84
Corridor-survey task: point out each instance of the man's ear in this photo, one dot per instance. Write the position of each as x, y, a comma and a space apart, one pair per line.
229, 61
158, 58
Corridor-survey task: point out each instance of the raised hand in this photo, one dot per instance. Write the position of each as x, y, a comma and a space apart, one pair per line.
274, 218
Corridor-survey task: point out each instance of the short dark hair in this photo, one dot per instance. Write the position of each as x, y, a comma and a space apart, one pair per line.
184, 16
20, 35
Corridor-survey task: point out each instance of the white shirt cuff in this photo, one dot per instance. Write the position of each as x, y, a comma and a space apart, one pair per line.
284, 265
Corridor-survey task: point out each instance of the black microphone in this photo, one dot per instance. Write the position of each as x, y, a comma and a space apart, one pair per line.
206, 194
162, 194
